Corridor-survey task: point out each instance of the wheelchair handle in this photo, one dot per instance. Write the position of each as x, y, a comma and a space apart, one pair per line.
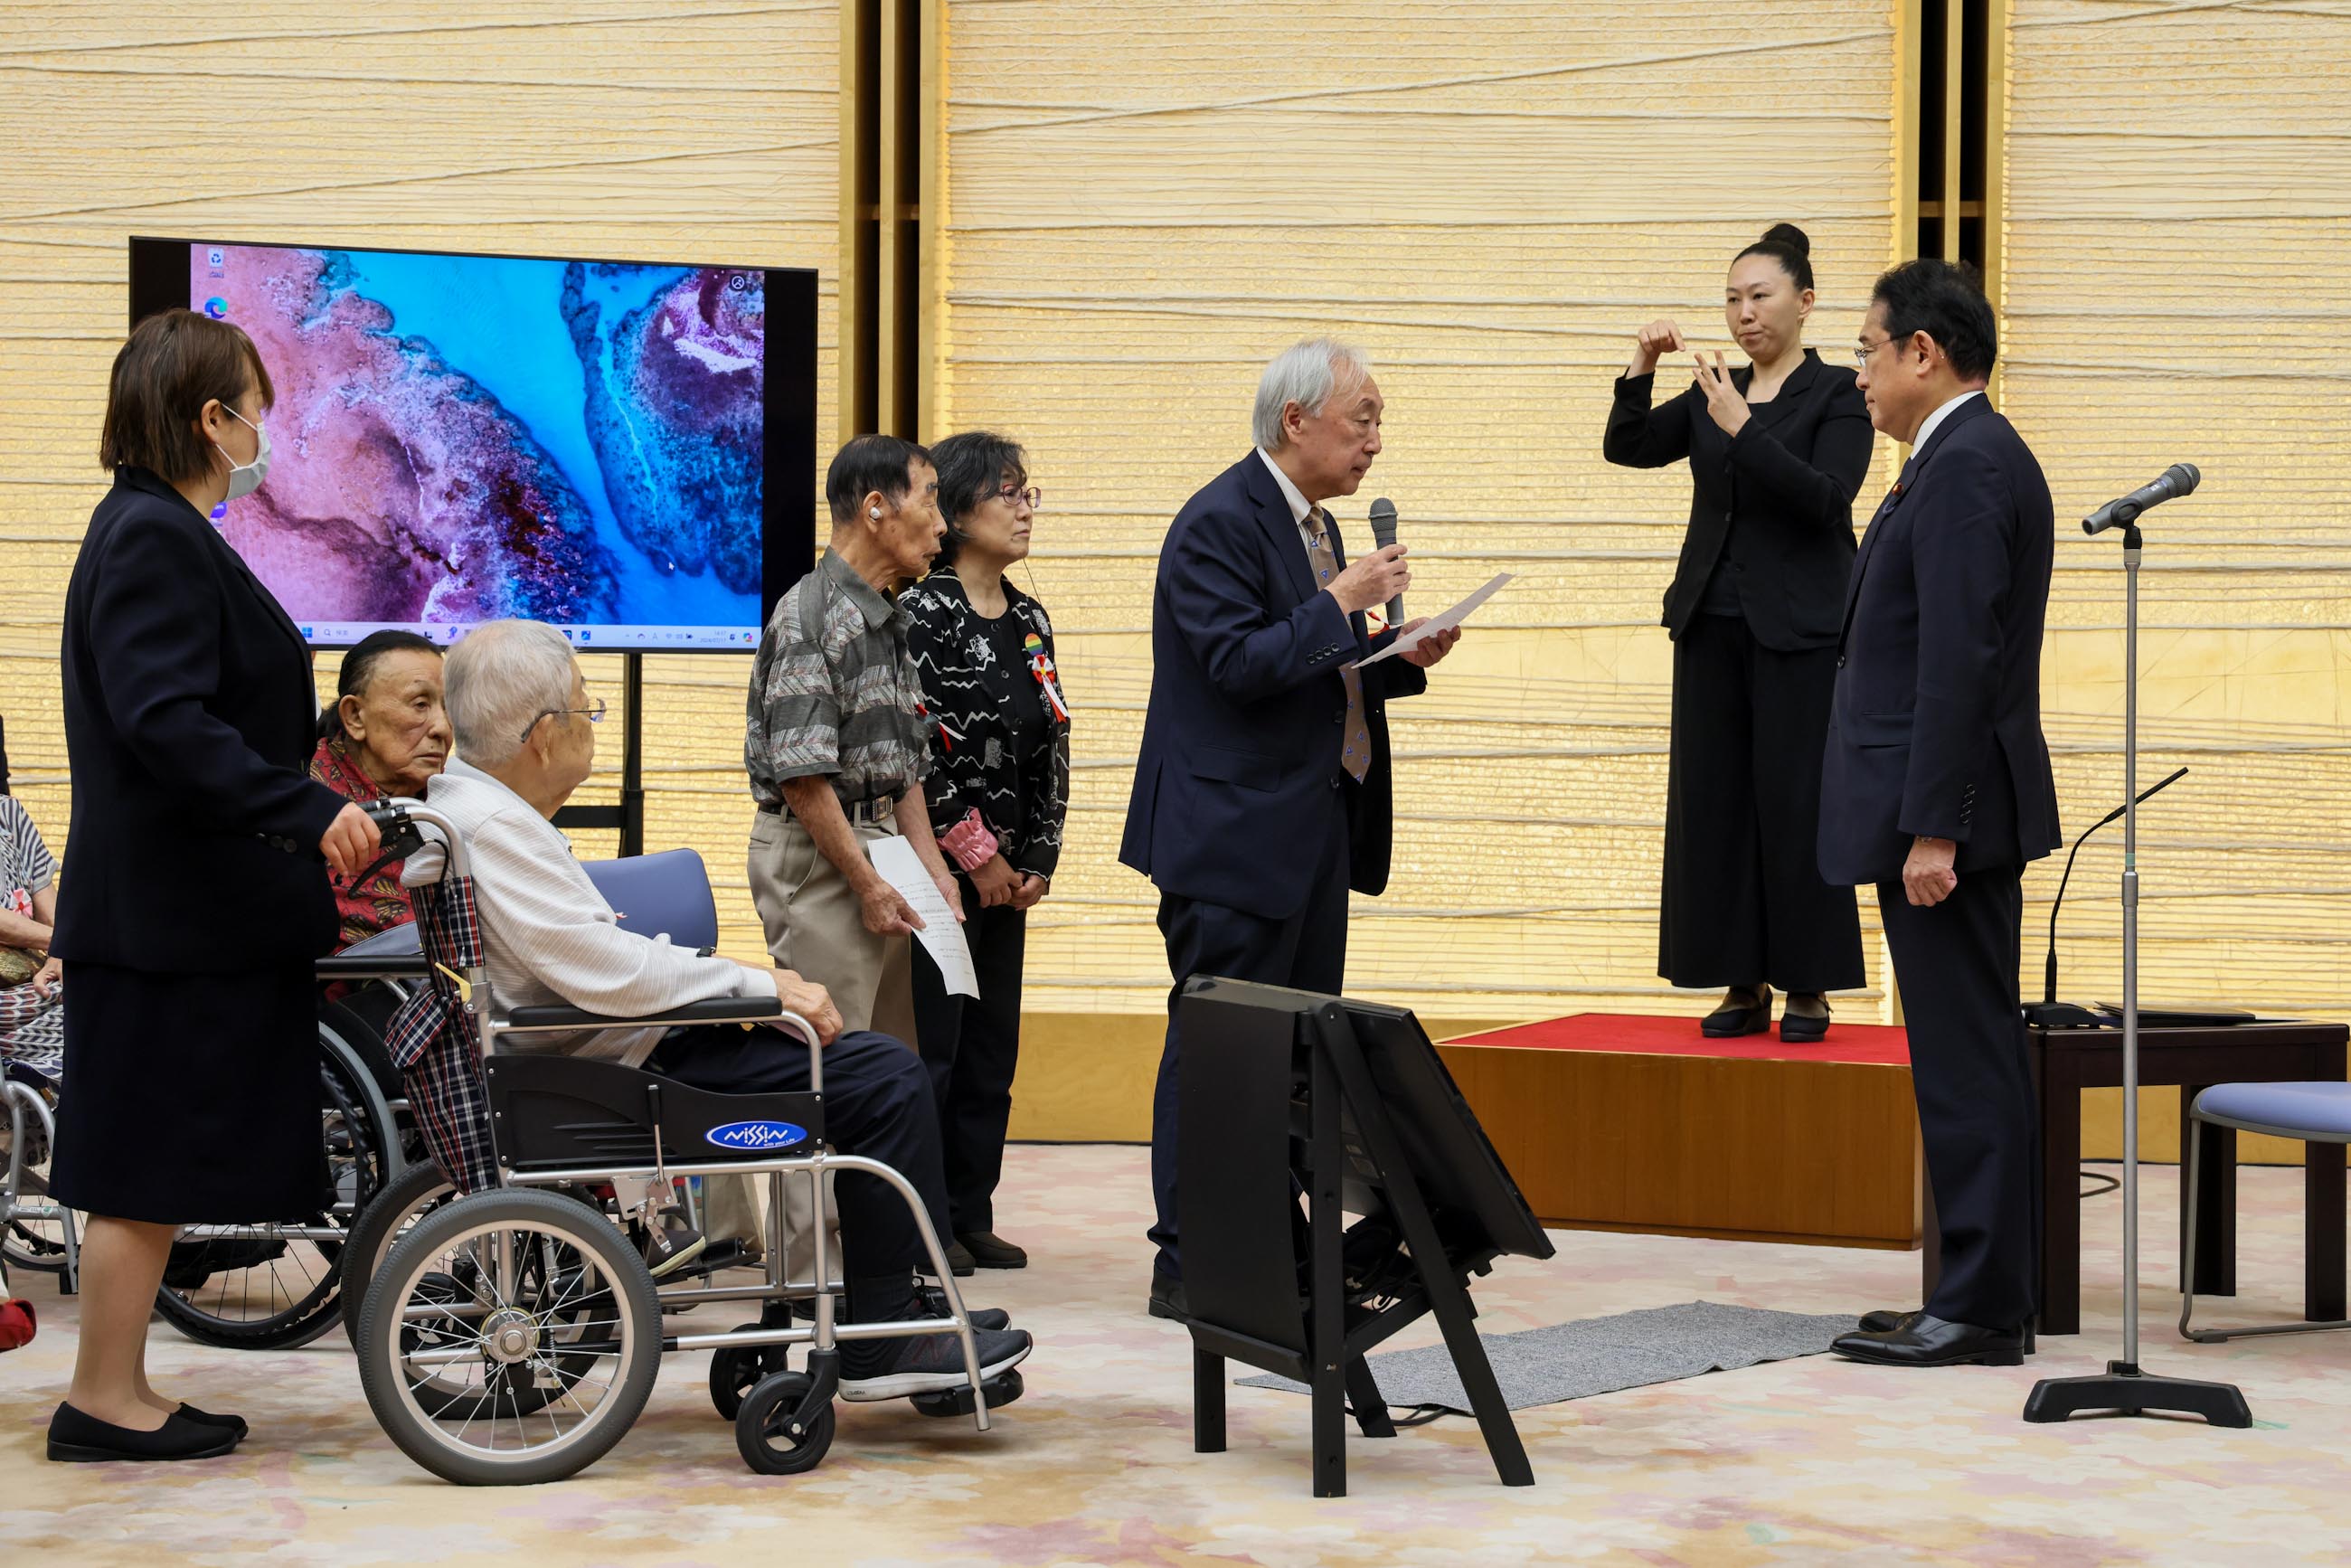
396, 813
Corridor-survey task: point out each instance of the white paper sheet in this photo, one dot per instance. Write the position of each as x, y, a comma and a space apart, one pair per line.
1444, 622
941, 933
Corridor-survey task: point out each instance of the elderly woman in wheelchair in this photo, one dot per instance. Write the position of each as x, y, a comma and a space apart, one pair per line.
511, 1334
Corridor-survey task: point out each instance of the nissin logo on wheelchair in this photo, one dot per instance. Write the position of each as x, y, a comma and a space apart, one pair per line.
756, 1135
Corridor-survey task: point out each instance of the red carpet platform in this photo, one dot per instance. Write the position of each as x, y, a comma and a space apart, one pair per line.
1617, 1123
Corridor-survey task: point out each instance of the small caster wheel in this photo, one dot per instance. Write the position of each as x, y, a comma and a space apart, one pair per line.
777, 1433
1001, 1390
734, 1371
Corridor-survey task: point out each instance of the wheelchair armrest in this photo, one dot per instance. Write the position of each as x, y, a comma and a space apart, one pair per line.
361, 966
717, 1009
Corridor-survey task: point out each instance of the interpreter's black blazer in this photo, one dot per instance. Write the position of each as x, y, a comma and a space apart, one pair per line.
1775, 504
189, 718
1935, 730
1241, 741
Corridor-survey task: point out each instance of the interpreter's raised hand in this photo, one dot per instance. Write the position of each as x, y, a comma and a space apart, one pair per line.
351, 841
1031, 889
1652, 342
1725, 403
811, 1001
996, 882
1428, 650
884, 912
1371, 580
1927, 876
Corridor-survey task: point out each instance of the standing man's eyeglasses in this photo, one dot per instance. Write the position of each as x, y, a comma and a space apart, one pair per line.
1861, 355
595, 713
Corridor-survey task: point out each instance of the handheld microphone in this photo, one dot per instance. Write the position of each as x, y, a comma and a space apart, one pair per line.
2175, 482
1384, 526
2049, 1011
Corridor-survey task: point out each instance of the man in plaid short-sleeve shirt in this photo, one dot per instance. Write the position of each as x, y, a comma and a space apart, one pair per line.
836, 742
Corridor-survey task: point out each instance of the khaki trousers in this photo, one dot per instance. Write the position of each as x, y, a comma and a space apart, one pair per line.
815, 926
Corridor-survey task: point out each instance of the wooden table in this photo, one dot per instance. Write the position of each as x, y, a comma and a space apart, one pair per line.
2067, 1061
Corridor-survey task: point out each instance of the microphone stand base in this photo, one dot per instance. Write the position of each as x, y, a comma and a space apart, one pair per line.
2124, 1390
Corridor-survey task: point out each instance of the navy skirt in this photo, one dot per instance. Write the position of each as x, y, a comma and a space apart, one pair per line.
191, 1099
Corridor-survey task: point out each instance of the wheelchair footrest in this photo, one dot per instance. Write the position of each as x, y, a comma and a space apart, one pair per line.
1003, 1389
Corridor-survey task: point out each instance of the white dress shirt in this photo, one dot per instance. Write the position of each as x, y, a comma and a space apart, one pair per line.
1926, 429
547, 936
1301, 508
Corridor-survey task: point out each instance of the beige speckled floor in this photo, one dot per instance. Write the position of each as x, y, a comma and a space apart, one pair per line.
1812, 1461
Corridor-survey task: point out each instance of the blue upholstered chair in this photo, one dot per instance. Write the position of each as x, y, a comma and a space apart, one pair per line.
2314, 1112
666, 893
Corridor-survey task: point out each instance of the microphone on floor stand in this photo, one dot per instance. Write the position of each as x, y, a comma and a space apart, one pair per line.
2049, 1012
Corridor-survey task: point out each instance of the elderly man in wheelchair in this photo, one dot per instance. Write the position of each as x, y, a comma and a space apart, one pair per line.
529, 925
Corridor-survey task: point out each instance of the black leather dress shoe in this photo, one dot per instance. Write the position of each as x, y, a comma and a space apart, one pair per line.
76, 1438
961, 1262
1885, 1321
1167, 1298
1930, 1340
991, 1251
1728, 1022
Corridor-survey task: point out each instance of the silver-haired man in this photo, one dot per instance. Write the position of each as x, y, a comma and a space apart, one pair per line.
1262, 793
526, 740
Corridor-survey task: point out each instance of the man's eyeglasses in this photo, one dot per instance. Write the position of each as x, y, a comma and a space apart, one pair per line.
595, 712
1012, 496
1861, 355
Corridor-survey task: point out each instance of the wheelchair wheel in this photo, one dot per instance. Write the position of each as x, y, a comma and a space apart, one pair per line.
776, 1432
411, 1195
272, 1287
37, 1245
510, 1337
736, 1371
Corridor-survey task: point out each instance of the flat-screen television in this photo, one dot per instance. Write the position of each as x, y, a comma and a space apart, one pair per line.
623, 449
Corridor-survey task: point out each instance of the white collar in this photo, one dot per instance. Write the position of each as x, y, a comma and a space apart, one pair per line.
1299, 505
1918, 442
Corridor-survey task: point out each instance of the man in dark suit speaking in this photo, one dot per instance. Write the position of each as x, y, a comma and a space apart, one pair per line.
1936, 788
1261, 794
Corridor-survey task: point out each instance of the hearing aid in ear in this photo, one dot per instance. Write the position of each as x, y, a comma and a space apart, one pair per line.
874, 512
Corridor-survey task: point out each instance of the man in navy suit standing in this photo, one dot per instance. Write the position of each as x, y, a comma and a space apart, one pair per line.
1936, 788
1261, 794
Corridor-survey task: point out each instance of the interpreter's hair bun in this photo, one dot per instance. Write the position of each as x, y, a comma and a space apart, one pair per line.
1789, 236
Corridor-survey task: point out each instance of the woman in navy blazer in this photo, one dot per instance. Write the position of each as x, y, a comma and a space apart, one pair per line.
195, 898
1777, 450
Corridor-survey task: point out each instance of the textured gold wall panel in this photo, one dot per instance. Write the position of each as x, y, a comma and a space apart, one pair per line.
2179, 199
697, 130
1146, 201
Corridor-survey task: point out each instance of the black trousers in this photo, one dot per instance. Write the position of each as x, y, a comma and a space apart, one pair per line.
1307, 951
1743, 901
972, 1047
877, 1104
1957, 965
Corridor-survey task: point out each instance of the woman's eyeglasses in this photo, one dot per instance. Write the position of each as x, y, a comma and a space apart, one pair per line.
595, 712
1013, 496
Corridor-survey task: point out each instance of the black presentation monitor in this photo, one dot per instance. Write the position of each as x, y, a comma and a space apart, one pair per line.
625, 450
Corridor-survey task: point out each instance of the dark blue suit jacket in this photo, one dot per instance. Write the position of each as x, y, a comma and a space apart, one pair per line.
190, 720
1935, 727
1241, 746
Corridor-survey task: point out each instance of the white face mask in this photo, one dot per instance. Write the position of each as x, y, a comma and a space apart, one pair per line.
245, 479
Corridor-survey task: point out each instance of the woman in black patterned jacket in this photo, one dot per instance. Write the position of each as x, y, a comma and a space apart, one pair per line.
998, 792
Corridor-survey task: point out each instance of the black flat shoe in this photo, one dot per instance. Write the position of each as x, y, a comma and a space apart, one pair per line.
1167, 1299
959, 1261
206, 1418
1729, 1022
1886, 1321
1930, 1340
1803, 1028
76, 1438
991, 1251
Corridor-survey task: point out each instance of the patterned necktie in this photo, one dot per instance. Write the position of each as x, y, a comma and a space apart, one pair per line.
1357, 756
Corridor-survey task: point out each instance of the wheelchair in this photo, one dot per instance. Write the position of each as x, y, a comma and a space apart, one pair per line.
511, 1332
37, 1233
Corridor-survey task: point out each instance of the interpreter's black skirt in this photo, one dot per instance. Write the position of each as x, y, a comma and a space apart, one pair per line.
191, 1099
1743, 900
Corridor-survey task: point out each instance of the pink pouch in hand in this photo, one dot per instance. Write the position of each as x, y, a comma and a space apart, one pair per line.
968, 843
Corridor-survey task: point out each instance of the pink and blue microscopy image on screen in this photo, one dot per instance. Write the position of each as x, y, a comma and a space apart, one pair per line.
460, 438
